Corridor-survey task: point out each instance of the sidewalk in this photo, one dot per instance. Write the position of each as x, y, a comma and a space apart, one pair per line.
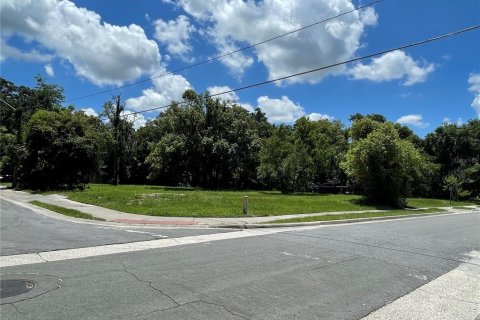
128, 218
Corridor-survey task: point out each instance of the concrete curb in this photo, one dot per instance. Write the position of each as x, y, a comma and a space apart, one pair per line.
227, 225
344, 221
303, 224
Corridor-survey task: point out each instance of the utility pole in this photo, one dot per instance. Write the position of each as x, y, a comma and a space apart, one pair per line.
116, 133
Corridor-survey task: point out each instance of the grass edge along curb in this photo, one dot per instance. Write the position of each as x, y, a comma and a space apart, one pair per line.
165, 201
65, 211
359, 215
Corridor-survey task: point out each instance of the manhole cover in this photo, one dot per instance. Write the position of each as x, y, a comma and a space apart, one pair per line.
15, 287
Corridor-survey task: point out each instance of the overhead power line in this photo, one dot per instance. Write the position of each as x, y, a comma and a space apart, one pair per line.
8, 104
225, 54
414, 44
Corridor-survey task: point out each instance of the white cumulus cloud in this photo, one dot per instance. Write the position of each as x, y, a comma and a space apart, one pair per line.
9, 52
90, 112
49, 70
236, 62
100, 52
474, 82
476, 104
234, 24
415, 120
393, 66
137, 119
281, 110
217, 91
175, 35
165, 90
447, 120
369, 16
319, 116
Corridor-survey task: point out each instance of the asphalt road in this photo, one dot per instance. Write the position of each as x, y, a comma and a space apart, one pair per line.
329, 272
25, 231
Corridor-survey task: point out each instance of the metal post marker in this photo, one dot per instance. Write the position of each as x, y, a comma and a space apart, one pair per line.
245, 205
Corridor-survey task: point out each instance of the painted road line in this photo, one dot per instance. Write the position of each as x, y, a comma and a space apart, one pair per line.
59, 255
455, 295
67, 254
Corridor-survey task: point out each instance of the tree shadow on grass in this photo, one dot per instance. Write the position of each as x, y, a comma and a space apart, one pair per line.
364, 203
475, 201
310, 194
163, 188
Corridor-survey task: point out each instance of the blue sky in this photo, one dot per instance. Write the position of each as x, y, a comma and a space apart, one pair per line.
91, 46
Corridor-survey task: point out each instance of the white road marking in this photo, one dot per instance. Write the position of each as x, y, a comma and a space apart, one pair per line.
59, 255
152, 234
455, 295
306, 256
418, 276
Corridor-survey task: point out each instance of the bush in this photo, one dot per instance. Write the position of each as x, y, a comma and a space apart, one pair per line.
62, 149
383, 165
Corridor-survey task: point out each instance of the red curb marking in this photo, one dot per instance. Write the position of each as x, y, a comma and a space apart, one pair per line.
167, 222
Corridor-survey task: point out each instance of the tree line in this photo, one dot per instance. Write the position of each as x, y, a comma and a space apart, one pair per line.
209, 143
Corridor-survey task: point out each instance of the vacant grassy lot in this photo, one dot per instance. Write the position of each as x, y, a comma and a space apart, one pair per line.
358, 215
166, 201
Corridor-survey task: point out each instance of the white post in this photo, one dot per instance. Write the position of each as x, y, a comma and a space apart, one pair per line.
245, 205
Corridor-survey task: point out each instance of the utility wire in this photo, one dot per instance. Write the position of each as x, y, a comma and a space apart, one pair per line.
226, 54
8, 104
440, 37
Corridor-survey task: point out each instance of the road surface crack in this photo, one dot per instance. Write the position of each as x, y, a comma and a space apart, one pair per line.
219, 305
384, 247
40, 256
328, 265
197, 301
149, 283
14, 307
177, 304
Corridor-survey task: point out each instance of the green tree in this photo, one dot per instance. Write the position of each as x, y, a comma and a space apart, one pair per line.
456, 149
383, 165
326, 143
63, 149
7, 153
120, 151
406, 133
168, 160
285, 163
19, 103
362, 127
471, 182
144, 140
207, 142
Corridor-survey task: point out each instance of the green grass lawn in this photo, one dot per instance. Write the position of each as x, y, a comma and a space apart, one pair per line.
65, 211
389, 213
166, 201
424, 203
